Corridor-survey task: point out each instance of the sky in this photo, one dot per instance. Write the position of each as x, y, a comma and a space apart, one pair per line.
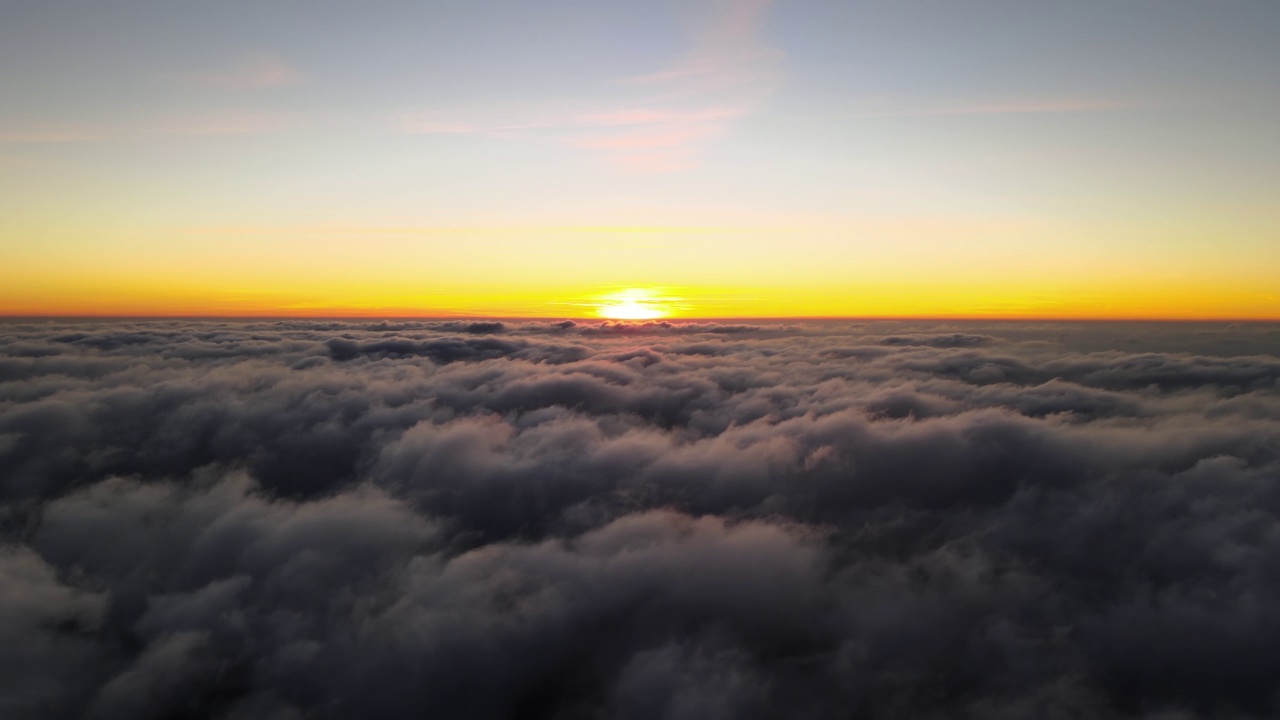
721, 158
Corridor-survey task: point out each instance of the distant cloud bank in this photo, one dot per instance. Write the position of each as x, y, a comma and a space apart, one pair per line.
661, 520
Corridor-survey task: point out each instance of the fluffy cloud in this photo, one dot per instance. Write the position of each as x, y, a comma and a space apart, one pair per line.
678, 520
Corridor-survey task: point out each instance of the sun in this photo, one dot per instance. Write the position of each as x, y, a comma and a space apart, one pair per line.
633, 304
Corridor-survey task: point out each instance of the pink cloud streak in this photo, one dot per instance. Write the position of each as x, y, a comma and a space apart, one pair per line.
258, 70
726, 75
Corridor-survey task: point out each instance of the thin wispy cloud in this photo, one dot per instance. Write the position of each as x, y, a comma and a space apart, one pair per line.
219, 124
20, 137
256, 70
216, 123
728, 73
647, 140
1005, 107
1035, 106
725, 76
425, 125
728, 54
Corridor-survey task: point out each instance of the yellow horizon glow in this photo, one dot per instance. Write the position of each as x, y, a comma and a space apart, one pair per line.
956, 269
868, 302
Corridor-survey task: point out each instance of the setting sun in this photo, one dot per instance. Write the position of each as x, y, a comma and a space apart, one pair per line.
633, 304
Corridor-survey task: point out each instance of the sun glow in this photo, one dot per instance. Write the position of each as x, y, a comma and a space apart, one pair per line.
633, 304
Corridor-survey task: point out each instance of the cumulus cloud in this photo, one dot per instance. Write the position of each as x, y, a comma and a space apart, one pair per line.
676, 520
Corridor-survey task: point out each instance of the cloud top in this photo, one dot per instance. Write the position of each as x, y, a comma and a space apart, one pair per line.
527, 519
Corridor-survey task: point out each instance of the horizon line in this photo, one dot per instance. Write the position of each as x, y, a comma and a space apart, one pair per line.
683, 319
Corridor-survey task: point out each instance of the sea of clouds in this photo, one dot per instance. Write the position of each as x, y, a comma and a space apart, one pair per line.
453, 519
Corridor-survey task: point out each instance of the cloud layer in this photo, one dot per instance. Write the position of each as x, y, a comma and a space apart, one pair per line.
660, 520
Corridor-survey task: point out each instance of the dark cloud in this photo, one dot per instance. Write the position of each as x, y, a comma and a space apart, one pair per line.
943, 340
288, 519
443, 350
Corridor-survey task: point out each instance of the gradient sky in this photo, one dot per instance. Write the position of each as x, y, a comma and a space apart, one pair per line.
1099, 158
